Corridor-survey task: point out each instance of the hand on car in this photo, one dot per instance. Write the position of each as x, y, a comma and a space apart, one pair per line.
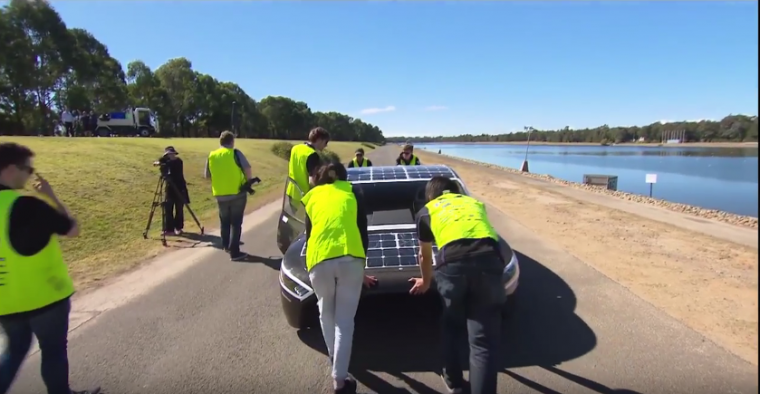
418, 286
369, 281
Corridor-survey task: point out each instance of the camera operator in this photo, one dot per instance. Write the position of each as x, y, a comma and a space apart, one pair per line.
176, 191
35, 286
231, 179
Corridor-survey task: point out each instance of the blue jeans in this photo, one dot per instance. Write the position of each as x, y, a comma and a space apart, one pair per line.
231, 219
51, 326
473, 296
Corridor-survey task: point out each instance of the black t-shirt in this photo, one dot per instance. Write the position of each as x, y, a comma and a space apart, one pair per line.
312, 163
455, 250
361, 218
32, 222
351, 163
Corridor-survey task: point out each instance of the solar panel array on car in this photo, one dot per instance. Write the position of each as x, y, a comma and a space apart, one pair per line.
397, 173
392, 250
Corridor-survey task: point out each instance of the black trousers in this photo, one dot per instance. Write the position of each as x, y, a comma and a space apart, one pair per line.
174, 215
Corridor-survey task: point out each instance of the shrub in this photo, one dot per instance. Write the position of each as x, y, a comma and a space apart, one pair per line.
329, 156
282, 149
368, 145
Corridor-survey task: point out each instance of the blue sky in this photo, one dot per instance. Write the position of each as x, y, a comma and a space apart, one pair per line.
443, 68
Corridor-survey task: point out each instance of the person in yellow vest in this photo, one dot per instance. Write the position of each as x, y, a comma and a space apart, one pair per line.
303, 164
229, 170
359, 160
336, 249
407, 157
35, 287
468, 276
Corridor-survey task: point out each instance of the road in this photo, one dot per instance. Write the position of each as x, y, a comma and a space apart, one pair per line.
217, 327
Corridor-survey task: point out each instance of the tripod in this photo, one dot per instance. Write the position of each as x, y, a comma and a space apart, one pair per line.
159, 199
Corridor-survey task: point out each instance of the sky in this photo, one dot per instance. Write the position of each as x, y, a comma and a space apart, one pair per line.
448, 68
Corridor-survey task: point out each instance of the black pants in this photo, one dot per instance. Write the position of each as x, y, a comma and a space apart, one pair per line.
473, 296
174, 215
69, 128
51, 326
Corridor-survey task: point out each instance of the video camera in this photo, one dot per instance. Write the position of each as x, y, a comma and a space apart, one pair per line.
248, 185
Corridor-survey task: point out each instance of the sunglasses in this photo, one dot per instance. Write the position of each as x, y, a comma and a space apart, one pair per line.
407, 153
24, 167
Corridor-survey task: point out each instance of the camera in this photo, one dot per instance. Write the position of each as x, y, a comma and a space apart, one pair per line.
248, 185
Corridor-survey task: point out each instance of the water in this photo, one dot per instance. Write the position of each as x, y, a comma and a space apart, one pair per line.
715, 178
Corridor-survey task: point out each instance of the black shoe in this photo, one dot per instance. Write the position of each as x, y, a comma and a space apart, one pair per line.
226, 250
96, 391
348, 388
238, 256
452, 387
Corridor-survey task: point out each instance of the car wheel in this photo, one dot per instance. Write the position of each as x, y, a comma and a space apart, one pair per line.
508, 309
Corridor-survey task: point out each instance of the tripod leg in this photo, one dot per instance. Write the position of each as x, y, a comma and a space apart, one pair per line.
195, 218
156, 201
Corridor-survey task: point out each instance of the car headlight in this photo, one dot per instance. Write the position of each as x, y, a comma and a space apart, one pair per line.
295, 287
511, 267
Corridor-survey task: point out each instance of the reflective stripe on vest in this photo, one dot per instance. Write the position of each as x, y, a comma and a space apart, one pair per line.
356, 163
413, 161
297, 170
456, 216
226, 176
332, 211
29, 282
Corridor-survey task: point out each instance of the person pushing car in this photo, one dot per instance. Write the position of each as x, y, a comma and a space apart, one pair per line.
407, 157
303, 164
468, 276
359, 160
336, 248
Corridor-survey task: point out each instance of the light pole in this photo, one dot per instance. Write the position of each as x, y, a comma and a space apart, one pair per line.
524, 167
232, 118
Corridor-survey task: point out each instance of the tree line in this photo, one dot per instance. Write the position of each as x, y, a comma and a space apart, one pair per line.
732, 128
46, 67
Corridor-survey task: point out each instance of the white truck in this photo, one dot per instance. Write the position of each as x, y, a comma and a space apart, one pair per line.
140, 122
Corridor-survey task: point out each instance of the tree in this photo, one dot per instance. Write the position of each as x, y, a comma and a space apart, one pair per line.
45, 67
730, 128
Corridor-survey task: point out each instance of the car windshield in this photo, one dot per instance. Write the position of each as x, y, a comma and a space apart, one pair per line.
393, 203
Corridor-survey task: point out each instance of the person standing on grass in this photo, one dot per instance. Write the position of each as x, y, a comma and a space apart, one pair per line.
359, 160
68, 122
229, 170
468, 276
35, 286
303, 164
336, 248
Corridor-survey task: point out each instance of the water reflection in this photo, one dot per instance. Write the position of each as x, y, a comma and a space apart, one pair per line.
718, 178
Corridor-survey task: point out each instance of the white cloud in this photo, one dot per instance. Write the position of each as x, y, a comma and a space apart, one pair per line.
436, 108
370, 111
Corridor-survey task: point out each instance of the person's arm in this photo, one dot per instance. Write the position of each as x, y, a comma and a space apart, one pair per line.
307, 223
369, 162
361, 217
33, 222
351, 164
244, 164
417, 161
398, 161
181, 172
312, 164
426, 238
206, 172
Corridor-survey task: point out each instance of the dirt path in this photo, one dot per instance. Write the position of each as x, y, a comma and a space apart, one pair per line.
708, 283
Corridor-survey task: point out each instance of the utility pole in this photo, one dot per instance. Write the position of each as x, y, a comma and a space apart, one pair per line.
232, 118
524, 167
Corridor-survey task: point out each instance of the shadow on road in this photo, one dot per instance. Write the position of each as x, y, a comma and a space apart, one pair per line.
195, 240
272, 262
399, 334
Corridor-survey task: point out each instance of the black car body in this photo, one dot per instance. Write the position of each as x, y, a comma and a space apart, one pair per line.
393, 195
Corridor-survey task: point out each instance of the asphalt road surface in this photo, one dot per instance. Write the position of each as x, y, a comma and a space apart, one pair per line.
218, 328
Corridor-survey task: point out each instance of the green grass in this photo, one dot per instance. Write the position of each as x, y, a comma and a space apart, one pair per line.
108, 183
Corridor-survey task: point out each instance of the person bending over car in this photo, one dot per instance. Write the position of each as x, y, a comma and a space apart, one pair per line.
303, 164
407, 157
468, 277
336, 248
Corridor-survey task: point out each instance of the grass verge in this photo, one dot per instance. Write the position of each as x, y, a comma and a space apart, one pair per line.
109, 182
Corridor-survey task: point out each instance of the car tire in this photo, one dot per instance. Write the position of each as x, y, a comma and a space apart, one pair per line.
508, 309
103, 132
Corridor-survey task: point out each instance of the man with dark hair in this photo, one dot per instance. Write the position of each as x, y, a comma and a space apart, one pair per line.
229, 171
304, 161
359, 160
468, 274
35, 286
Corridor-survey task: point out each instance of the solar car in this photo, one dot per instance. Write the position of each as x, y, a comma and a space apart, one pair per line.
393, 195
